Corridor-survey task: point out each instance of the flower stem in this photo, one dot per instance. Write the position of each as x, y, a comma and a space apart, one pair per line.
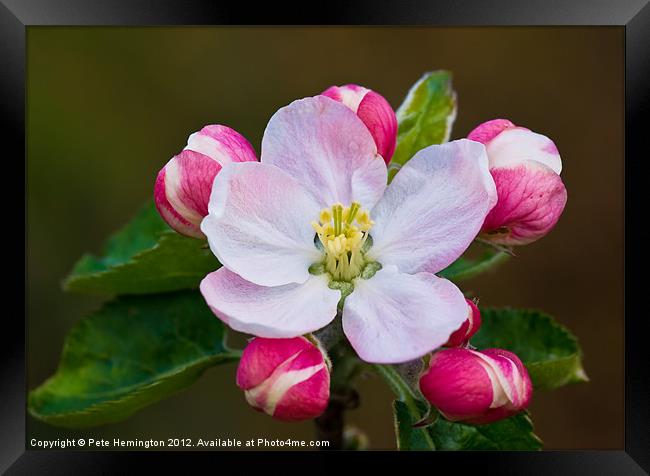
330, 425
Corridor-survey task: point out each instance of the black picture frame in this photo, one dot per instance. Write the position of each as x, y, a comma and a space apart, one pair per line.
632, 15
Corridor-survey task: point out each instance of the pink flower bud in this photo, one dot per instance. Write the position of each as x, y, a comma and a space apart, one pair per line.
476, 387
468, 328
288, 379
184, 184
526, 169
374, 111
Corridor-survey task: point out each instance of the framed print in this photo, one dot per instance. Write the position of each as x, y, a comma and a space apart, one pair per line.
385, 230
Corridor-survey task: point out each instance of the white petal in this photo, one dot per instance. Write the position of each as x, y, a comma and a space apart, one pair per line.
279, 311
327, 148
433, 208
513, 146
395, 317
259, 224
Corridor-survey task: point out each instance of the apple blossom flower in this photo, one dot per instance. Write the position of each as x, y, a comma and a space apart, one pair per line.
470, 327
375, 112
288, 379
313, 226
476, 387
183, 185
526, 168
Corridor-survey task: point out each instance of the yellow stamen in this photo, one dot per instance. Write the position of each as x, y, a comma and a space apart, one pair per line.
343, 231
325, 216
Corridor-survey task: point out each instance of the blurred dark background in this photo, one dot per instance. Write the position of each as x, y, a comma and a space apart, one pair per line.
107, 107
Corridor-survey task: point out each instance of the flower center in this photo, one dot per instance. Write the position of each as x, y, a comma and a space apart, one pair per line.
343, 232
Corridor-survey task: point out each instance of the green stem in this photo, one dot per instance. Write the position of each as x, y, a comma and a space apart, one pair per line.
476, 267
482, 266
406, 395
397, 384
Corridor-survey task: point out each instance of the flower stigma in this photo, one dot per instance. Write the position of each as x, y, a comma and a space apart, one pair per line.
343, 234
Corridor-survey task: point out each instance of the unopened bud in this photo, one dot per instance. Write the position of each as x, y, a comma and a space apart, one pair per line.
375, 112
468, 328
476, 387
184, 184
526, 169
288, 379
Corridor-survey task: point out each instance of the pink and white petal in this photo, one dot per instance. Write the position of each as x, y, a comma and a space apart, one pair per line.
258, 224
188, 183
222, 144
350, 94
488, 130
515, 145
328, 149
395, 317
532, 199
169, 214
279, 311
379, 117
262, 356
433, 208
457, 384
513, 376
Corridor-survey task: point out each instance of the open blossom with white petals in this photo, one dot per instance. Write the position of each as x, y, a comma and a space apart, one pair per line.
314, 222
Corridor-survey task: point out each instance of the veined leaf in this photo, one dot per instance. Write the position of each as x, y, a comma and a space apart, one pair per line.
548, 350
146, 256
426, 115
514, 433
133, 352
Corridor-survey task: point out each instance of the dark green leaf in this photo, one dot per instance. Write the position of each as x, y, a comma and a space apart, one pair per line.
549, 351
426, 115
409, 438
514, 433
134, 351
146, 256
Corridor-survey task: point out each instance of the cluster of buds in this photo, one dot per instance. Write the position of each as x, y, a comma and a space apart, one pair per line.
526, 170
289, 379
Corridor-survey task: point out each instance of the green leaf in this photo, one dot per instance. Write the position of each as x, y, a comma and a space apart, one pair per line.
548, 350
465, 268
426, 115
133, 352
408, 409
146, 256
408, 437
514, 433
